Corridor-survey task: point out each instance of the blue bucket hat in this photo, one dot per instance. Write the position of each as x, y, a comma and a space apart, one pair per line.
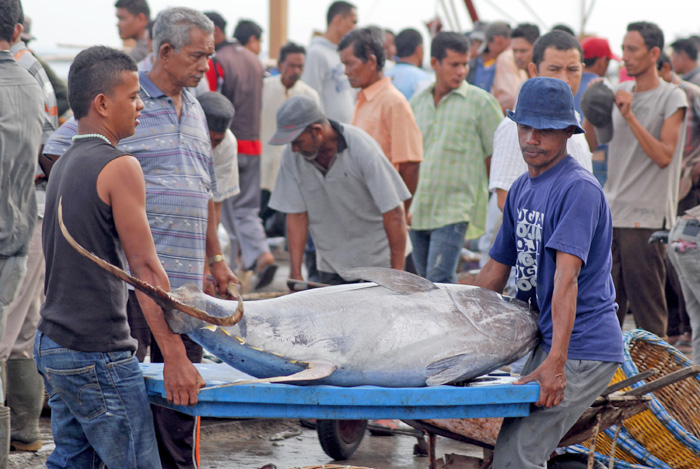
546, 103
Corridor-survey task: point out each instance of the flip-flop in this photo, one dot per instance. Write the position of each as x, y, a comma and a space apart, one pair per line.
266, 276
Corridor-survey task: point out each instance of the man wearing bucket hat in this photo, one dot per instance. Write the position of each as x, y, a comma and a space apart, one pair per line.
557, 232
335, 182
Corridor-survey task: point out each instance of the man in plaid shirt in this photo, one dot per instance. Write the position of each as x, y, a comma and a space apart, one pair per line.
457, 121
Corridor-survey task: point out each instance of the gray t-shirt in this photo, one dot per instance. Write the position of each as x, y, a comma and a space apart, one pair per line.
640, 194
325, 73
345, 206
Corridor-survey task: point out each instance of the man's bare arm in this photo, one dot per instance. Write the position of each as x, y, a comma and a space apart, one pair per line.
297, 232
396, 232
121, 185
590, 134
409, 172
493, 276
660, 151
551, 374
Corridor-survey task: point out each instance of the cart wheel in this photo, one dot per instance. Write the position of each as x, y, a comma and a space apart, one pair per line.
572, 461
340, 438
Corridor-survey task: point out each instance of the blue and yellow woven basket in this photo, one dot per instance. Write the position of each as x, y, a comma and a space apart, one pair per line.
667, 435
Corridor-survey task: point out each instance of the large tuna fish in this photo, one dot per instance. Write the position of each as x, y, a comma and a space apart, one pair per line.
400, 330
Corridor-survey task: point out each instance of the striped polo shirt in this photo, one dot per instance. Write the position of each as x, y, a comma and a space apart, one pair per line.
176, 158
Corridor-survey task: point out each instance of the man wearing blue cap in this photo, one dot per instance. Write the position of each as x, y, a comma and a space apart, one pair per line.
557, 232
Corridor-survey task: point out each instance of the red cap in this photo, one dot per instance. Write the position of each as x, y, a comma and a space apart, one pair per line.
597, 47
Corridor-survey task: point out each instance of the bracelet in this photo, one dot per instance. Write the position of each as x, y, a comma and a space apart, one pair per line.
215, 259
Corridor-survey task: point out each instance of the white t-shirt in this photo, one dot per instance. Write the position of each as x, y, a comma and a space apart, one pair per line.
225, 157
507, 163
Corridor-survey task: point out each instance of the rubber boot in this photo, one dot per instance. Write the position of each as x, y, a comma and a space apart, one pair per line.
25, 398
4, 435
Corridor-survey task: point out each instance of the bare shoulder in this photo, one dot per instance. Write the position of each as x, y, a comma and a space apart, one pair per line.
121, 175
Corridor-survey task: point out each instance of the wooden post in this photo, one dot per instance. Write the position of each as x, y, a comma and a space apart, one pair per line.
278, 26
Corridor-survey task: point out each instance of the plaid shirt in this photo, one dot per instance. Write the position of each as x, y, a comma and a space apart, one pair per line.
457, 138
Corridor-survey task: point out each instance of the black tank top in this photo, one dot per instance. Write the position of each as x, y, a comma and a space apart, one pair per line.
85, 307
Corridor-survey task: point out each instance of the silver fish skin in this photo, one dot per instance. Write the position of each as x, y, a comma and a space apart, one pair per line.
404, 332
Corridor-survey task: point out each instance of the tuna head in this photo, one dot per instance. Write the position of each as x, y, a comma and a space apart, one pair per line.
503, 330
191, 295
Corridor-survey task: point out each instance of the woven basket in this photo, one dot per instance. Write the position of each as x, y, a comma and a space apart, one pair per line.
668, 434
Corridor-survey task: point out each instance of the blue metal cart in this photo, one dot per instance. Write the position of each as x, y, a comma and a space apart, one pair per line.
491, 396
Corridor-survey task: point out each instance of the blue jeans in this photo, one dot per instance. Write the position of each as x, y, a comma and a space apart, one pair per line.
99, 408
436, 252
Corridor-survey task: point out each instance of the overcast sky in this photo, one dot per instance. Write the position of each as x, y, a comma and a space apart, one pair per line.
91, 22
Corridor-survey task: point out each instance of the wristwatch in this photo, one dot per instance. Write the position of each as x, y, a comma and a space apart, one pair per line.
215, 259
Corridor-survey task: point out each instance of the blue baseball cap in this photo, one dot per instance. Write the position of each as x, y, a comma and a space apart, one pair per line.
546, 103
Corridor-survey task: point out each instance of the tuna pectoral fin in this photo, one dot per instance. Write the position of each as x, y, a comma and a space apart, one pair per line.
448, 370
316, 370
157, 294
394, 280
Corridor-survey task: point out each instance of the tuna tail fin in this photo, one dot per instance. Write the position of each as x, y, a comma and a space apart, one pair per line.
315, 371
158, 295
395, 280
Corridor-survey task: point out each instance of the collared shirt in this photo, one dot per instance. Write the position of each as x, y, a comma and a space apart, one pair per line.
383, 112
21, 120
274, 94
409, 79
457, 139
344, 205
507, 163
26, 59
176, 158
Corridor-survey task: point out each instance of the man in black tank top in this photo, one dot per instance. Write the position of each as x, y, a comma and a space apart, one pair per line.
83, 348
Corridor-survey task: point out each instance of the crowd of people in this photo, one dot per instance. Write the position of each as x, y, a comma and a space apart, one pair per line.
360, 157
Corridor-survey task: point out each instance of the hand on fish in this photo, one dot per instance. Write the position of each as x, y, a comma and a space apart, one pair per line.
551, 377
223, 277
182, 382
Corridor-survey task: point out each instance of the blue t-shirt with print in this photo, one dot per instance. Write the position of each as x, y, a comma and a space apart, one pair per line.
563, 209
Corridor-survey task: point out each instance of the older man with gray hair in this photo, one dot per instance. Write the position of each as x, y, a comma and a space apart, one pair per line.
172, 145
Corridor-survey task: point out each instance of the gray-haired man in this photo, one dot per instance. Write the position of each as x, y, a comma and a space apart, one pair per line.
172, 145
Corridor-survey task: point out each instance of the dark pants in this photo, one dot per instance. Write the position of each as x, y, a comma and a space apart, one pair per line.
678, 320
639, 275
175, 431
